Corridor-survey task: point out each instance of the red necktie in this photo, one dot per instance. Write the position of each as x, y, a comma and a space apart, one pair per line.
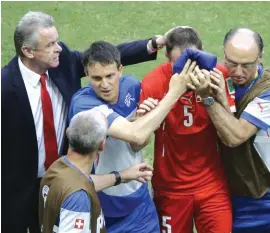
48, 124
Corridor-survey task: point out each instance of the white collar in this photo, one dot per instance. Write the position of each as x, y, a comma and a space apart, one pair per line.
28, 75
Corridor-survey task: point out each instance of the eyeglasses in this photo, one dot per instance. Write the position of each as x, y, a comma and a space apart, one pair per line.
244, 66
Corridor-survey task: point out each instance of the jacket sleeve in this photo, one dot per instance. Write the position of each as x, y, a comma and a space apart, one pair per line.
134, 52
74, 214
73, 59
257, 112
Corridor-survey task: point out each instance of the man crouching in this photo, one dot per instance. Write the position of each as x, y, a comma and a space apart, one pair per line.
68, 199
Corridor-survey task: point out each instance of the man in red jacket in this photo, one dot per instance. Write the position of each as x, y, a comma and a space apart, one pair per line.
189, 181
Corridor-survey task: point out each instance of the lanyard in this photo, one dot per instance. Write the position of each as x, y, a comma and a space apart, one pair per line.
241, 91
76, 168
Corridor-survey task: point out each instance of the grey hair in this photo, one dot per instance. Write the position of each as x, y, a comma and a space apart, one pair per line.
87, 130
26, 32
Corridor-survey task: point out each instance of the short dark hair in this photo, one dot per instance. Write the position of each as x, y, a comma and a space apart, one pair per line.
257, 37
101, 52
183, 38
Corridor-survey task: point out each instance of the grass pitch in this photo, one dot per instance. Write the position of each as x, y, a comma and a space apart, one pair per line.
80, 23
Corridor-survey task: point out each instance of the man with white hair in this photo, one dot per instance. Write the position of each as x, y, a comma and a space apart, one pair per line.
68, 200
36, 89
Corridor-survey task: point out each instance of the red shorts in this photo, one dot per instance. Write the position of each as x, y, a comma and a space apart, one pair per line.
211, 212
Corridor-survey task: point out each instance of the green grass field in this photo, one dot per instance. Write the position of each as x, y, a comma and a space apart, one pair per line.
80, 23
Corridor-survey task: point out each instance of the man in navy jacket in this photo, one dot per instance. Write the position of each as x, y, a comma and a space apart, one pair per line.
23, 143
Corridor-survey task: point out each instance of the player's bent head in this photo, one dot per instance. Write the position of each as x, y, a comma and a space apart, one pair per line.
101, 52
179, 39
87, 132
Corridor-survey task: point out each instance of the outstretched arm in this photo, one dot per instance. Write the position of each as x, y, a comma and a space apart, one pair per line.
140, 130
137, 51
141, 172
132, 52
231, 130
146, 106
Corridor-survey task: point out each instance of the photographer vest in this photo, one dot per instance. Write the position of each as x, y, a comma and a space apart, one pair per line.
245, 169
60, 181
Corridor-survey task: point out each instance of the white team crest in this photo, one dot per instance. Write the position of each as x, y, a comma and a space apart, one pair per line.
128, 99
45, 191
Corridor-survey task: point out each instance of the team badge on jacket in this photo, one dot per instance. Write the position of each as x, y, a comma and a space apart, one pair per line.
79, 223
128, 99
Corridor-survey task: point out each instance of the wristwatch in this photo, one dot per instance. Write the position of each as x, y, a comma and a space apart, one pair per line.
154, 42
117, 177
208, 101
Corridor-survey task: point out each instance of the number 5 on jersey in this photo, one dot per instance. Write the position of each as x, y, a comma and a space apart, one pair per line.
166, 225
189, 121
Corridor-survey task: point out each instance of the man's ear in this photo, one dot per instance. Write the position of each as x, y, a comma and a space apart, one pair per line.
167, 56
67, 133
101, 145
202, 48
260, 58
28, 52
120, 69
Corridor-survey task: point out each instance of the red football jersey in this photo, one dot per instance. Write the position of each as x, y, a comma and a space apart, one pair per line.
186, 156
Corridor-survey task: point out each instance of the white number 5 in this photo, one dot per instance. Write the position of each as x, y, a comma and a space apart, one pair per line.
189, 121
164, 224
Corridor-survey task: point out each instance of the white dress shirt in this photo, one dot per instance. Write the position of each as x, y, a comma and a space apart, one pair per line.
33, 88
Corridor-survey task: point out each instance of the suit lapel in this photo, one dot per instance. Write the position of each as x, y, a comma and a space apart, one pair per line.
62, 84
21, 94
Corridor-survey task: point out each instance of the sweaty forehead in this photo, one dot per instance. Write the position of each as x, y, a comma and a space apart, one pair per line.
48, 34
243, 40
242, 46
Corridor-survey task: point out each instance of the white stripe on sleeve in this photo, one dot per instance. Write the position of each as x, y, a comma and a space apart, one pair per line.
74, 222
